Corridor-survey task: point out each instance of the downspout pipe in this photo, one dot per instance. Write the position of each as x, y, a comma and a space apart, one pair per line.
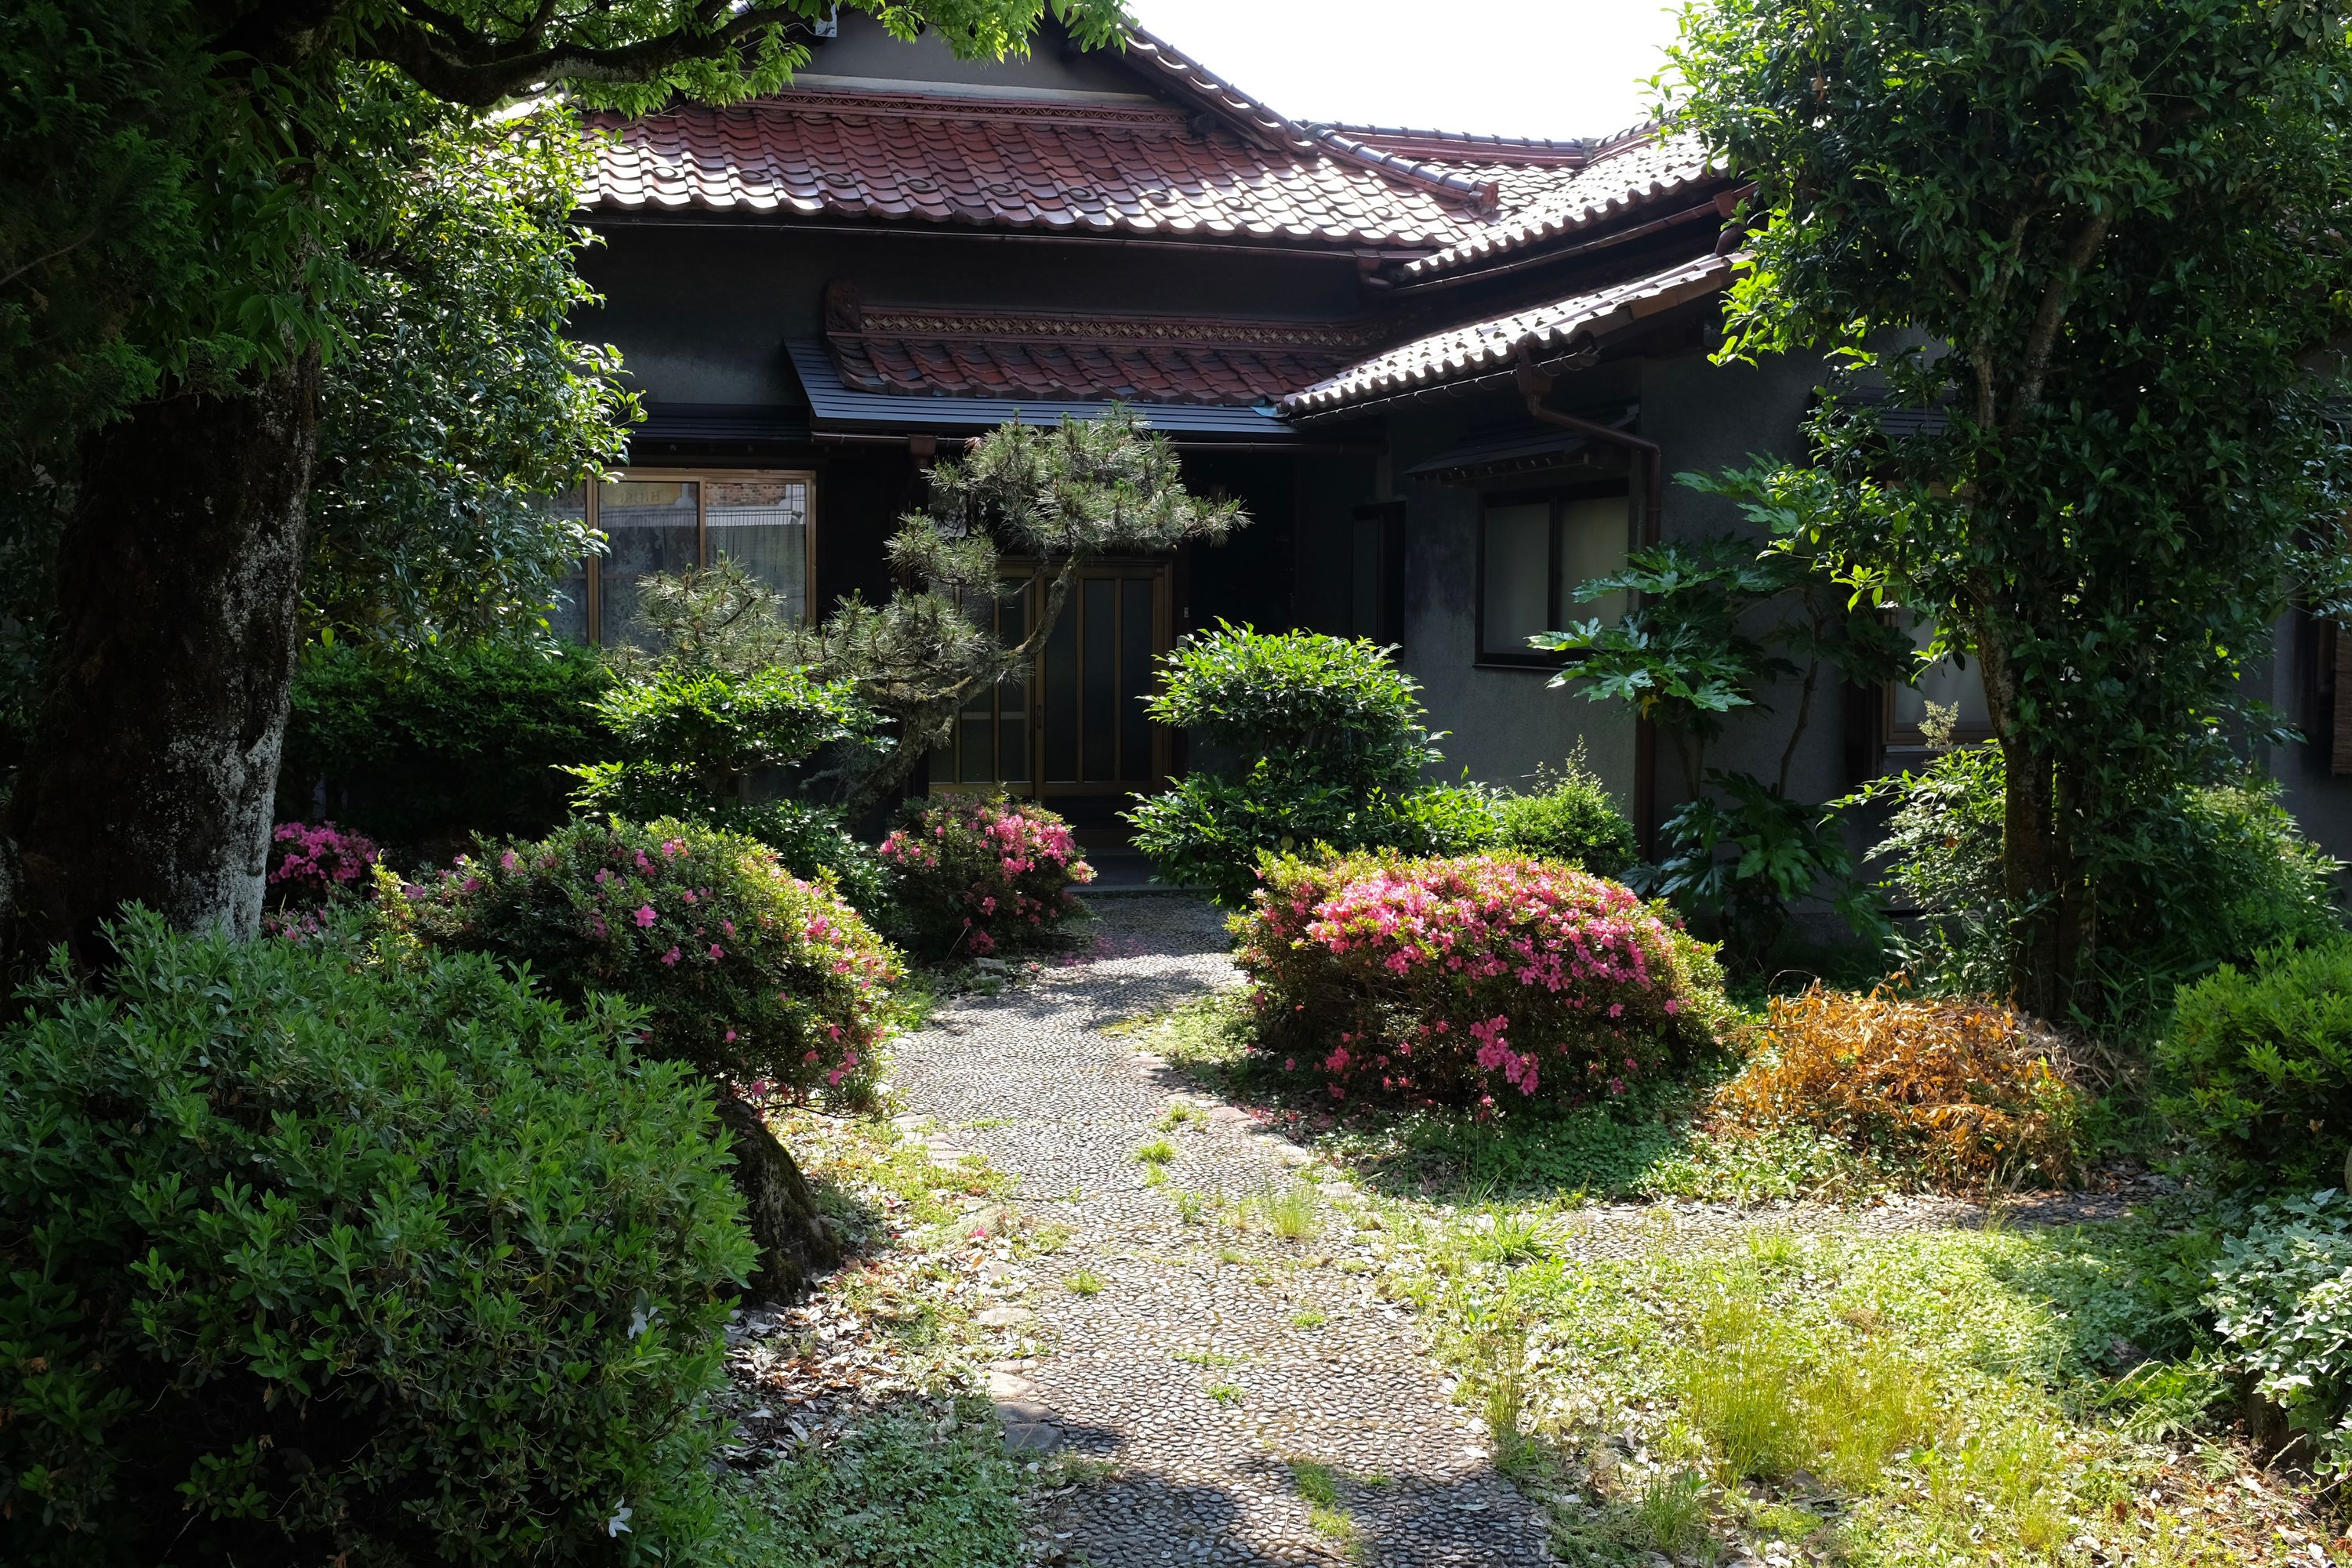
1534, 384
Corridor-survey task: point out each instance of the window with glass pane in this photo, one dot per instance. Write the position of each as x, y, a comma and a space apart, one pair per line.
650, 525
1946, 683
1519, 568
568, 616
1593, 537
763, 523
1535, 552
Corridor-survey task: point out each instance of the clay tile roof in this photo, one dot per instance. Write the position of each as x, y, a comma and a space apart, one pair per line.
1486, 347
1642, 167
1077, 167
1061, 356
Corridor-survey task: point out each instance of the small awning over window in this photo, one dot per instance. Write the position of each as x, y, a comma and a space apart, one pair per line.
1526, 448
837, 408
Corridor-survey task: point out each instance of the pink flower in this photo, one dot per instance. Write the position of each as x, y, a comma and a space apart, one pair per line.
646, 916
672, 956
507, 862
717, 951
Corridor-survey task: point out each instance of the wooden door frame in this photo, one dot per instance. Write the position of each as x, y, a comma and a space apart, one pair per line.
1159, 571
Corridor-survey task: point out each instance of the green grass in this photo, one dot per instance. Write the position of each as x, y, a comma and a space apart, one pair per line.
1083, 1282
1293, 1213
1158, 1152
1645, 1145
1946, 1396
1181, 1115
1318, 1486
1207, 1358
1222, 1393
1192, 1206
1308, 1318
904, 1487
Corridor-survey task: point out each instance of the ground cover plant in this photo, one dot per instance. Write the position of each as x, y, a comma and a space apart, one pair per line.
740, 967
309, 1256
1959, 1395
2255, 1070
976, 876
1957, 1091
1478, 980
2282, 1302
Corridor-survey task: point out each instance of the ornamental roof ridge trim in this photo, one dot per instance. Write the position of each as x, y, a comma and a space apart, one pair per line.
903, 320
1222, 97
1464, 146
1478, 348
1640, 166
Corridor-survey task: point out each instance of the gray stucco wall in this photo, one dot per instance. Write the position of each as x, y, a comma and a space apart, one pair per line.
1506, 722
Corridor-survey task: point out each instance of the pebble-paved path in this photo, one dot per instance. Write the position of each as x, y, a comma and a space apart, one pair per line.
1210, 1356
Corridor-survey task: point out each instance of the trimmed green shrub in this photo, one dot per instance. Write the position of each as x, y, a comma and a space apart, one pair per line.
2256, 1069
2205, 875
1481, 980
708, 744
312, 1259
1335, 705
982, 875
1306, 739
2282, 1302
742, 969
1570, 817
433, 747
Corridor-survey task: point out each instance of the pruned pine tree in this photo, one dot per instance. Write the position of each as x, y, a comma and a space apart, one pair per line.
1056, 496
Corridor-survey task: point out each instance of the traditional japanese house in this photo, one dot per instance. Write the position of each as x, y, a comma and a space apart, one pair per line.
1450, 376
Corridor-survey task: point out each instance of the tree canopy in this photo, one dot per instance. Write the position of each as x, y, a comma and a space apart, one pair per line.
2076, 262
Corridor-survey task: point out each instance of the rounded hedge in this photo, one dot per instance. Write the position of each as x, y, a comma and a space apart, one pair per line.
311, 1260
741, 967
1477, 980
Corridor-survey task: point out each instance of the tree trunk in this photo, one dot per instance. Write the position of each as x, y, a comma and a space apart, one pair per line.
154, 756
795, 1245
2030, 878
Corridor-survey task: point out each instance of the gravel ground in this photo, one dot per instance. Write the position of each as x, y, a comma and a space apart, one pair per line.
1210, 1356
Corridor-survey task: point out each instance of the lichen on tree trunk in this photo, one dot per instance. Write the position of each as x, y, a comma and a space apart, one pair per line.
154, 760
795, 1243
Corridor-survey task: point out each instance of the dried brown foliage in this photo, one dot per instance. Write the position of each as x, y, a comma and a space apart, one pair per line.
1964, 1092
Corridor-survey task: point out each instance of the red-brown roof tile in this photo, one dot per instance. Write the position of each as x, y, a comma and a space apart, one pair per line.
1066, 166
1080, 358
1486, 347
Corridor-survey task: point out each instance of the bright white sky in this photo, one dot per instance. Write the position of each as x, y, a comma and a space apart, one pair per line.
1510, 67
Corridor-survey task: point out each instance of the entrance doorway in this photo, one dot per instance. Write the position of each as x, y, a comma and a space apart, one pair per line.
1072, 726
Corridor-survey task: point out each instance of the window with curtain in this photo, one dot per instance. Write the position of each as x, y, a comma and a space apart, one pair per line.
1534, 552
675, 521
1955, 689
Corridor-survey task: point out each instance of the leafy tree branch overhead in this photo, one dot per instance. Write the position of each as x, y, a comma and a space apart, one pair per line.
213, 221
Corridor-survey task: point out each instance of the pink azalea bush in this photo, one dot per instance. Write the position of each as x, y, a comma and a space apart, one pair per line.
770, 983
312, 862
1479, 981
980, 876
